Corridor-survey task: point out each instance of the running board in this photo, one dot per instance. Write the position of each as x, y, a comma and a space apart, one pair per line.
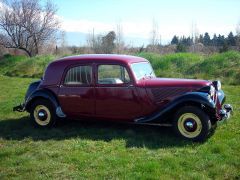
156, 124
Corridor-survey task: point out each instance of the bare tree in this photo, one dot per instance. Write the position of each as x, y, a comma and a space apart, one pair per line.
154, 38
63, 49
194, 36
94, 42
97, 45
238, 34
63, 41
27, 25
119, 38
90, 39
100, 43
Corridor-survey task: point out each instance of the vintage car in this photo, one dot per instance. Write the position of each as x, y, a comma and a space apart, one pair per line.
125, 89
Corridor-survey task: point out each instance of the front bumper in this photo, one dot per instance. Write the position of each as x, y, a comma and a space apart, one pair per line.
19, 108
226, 112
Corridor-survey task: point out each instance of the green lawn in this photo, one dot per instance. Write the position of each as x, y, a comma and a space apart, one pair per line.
80, 150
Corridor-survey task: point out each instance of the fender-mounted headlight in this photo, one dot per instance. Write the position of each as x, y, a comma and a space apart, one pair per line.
212, 91
208, 89
217, 85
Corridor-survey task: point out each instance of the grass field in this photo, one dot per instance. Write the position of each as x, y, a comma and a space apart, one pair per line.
80, 150
98, 150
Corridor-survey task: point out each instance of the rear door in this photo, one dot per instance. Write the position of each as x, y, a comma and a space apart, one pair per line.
76, 92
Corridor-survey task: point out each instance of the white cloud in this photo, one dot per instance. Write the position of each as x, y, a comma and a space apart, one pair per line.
1, 6
142, 30
85, 26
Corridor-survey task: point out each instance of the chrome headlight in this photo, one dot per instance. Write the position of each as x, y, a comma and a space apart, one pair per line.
217, 85
212, 91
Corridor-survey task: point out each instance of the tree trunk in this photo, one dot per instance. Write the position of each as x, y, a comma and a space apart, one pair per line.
25, 50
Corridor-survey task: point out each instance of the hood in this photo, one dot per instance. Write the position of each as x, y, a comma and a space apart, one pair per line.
173, 82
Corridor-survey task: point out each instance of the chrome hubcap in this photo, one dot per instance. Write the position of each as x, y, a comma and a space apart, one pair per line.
41, 114
189, 124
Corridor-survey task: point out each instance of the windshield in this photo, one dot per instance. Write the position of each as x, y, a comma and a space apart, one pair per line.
142, 70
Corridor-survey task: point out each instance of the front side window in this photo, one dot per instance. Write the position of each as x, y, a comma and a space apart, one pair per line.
142, 70
80, 75
112, 74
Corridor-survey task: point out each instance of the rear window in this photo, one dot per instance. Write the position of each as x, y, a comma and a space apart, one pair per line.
80, 75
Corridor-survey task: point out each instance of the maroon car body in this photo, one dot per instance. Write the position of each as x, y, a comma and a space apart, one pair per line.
130, 98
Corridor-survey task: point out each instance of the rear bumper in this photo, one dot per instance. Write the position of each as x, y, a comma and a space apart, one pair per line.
19, 108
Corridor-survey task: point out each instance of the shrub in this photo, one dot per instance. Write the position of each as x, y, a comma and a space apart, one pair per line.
7, 55
181, 48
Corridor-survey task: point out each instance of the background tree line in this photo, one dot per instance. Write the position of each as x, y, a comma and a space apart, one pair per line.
220, 41
33, 27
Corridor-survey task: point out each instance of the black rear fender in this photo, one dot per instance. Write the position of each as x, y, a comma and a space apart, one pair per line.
41, 94
32, 88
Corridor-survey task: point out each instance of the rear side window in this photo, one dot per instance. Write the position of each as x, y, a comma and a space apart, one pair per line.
80, 75
112, 74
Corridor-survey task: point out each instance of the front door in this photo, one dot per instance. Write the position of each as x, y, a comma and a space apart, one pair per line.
116, 97
76, 93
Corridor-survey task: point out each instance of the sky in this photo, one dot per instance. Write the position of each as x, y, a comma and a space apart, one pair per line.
136, 17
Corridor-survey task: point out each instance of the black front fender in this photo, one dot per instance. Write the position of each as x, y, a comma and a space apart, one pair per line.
200, 98
197, 97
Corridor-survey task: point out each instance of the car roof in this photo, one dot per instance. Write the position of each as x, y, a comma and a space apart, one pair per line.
105, 57
56, 68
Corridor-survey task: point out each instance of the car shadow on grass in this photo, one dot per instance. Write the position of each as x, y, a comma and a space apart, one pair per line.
138, 136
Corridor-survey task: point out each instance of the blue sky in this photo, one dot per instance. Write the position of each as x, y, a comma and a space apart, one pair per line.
136, 18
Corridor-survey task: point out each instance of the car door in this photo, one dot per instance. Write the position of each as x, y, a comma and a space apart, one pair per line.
76, 92
116, 96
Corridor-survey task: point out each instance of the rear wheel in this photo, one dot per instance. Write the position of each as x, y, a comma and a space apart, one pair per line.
192, 123
42, 113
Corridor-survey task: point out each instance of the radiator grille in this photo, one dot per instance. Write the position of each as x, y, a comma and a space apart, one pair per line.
160, 94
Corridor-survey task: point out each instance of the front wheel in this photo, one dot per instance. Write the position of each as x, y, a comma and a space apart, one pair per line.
192, 123
42, 113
